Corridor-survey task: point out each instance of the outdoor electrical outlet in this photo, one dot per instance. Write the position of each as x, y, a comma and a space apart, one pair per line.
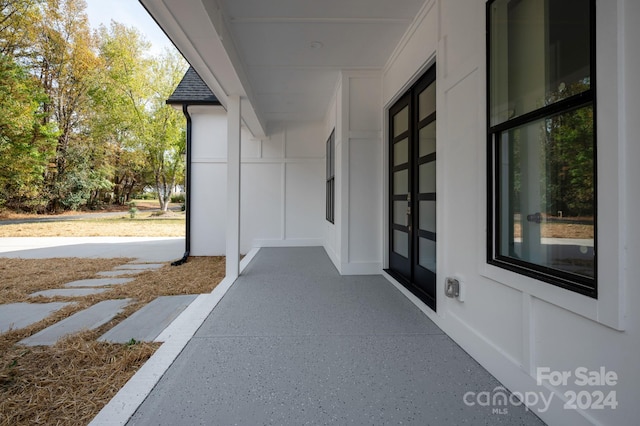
452, 288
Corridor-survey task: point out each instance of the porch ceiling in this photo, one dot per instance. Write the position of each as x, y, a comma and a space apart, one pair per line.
282, 56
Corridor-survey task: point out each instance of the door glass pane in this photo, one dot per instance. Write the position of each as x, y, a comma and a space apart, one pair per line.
427, 254
401, 152
401, 122
401, 182
428, 216
427, 101
428, 139
401, 243
400, 212
427, 172
547, 192
540, 54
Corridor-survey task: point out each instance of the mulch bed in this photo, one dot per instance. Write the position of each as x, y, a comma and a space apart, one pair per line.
70, 382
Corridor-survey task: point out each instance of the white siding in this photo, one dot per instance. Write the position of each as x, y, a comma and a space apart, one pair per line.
512, 324
282, 185
354, 242
208, 184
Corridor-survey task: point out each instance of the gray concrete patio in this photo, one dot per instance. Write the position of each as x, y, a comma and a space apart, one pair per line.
293, 342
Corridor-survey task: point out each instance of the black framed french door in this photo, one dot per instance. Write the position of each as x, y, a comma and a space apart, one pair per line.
412, 189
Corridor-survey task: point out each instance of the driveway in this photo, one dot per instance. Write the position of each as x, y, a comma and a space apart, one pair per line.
146, 249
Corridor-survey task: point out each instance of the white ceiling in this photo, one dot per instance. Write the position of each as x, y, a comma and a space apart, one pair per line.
290, 77
283, 56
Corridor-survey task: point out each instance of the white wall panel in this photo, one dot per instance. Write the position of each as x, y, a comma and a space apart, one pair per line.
410, 57
365, 201
261, 209
364, 103
208, 208
305, 140
209, 127
305, 200
273, 147
564, 341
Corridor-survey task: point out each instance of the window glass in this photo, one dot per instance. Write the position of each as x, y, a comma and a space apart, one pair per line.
547, 192
427, 220
427, 252
401, 243
401, 182
401, 152
401, 122
540, 54
428, 139
427, 102
427, 179
330, 182
400, 216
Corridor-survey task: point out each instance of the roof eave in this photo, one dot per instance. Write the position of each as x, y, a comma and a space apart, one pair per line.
196, 29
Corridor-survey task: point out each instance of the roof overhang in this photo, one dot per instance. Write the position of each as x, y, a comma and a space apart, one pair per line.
283, 58
202, 44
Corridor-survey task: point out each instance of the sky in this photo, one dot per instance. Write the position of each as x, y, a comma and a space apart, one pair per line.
130, 13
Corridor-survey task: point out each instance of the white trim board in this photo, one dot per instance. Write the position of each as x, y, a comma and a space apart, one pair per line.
176, 336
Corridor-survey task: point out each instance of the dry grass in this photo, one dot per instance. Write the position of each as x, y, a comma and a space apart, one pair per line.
140, 205
560, 230
144, 226
69, 383
21, 277
38, 388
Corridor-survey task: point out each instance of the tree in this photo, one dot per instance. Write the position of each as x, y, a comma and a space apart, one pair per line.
164, 138
83, 116
120, 102
65, 62
18, 18
134, 117
25, 144
570, 161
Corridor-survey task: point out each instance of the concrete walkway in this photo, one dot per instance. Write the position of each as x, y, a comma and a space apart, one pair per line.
144, 327
145, 249
293, 342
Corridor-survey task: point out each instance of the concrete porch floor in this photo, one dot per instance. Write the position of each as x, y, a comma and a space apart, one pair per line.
293, 342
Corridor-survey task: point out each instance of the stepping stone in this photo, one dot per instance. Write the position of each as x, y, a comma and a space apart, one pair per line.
140, 266
98, 282
69, 292
19, 315
88, 319
147, 323
120, 272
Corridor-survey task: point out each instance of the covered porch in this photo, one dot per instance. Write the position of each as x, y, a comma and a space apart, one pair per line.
294, 342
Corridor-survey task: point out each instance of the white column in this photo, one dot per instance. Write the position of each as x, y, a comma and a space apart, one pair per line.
233, 187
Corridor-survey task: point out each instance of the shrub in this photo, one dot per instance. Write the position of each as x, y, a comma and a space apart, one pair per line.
133, 210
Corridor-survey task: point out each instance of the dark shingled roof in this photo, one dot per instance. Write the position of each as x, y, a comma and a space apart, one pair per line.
193, 91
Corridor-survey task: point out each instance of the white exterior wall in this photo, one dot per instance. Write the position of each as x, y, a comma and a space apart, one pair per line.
510, 323
354, 242
282, 185
283, 188
208, 184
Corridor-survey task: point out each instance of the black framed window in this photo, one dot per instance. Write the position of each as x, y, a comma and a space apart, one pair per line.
541, 120
331, 179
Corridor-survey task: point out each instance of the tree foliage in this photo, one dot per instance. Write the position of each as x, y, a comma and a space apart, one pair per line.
82, 113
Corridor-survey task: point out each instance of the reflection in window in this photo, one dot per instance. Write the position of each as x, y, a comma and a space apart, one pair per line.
542, 141
548, 196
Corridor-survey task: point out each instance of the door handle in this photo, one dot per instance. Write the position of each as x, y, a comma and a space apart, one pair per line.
409, 218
